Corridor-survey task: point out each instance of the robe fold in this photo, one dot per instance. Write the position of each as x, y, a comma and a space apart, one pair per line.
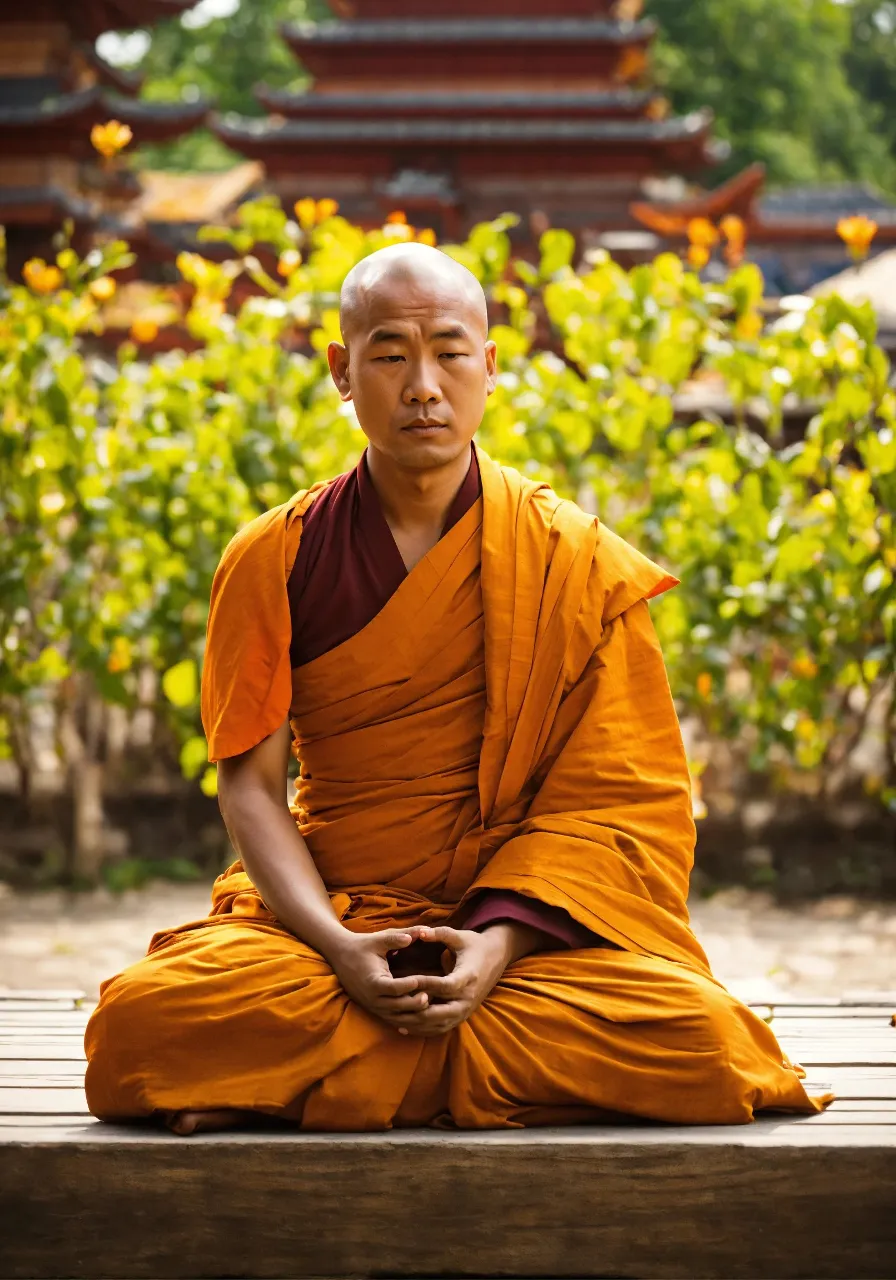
503, 723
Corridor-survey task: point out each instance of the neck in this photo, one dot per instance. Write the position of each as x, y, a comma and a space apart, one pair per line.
416, 500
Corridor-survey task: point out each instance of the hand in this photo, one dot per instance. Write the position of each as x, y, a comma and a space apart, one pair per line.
473, 963
361, 964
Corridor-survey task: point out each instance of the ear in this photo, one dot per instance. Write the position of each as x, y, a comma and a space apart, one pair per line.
491, 366
337, 359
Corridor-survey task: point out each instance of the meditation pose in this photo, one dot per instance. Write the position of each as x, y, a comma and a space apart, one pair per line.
472, 914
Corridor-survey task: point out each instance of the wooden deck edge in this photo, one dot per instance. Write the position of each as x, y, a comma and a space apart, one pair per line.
455, 1205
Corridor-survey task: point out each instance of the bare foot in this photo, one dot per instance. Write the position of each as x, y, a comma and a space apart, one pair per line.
186, 1122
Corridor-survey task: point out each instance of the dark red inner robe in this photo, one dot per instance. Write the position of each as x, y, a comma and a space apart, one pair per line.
348, 565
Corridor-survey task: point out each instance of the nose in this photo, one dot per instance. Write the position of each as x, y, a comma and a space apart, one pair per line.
422, 386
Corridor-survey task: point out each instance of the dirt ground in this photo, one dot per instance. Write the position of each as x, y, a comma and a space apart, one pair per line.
757, 949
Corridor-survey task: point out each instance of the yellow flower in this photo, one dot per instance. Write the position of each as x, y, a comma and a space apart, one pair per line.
427, 236
326, 208
702, 232
825, 501
698, 256
110, 138
306, 212
288, 261
749, 325
103, 288
805, 728
804, 668
397, 215
704, 684
144, 330
121, 656
857, 234
40, 277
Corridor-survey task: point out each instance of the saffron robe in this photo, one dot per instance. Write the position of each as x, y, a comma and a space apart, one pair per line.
504, 722
346, 567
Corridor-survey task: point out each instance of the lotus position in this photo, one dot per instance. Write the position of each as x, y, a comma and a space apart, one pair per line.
472, 914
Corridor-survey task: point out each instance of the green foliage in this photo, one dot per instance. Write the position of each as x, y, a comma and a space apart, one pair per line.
120, 483
787, 82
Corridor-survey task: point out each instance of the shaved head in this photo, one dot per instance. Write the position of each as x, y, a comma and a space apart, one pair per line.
415, 359
409, 264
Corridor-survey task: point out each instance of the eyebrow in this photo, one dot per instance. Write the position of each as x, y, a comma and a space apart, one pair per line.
388, 335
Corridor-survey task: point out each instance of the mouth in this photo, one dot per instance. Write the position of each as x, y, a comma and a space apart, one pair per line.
424, 426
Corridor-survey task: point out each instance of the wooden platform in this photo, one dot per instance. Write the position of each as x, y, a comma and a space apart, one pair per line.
786, 1196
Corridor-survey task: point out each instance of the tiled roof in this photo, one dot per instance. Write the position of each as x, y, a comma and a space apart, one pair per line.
462, 30
827, 203
63, 106
452, 130
602, 100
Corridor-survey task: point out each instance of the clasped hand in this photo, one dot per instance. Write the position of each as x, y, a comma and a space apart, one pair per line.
424, 1004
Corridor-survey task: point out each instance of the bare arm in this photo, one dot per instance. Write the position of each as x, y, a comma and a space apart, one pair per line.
252, 799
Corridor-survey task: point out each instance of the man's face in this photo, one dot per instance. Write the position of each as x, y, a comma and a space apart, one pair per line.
416, 351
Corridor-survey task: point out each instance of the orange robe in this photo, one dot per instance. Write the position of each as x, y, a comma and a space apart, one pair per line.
505, 721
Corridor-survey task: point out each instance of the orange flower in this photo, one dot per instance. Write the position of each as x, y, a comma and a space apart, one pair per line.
704, 684
306, 212
698, 256
857, 234
41, 278
326, 208
121, 657
397, 215
702, 232
427, 236
144, 330
734, 230
632, 64
103, 288
110, 138
804, 668
288, 261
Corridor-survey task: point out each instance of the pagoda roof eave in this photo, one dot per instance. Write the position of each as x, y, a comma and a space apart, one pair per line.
36, 205
95, 17
621, 102
126, 82
450, 31
150, 121
264, 134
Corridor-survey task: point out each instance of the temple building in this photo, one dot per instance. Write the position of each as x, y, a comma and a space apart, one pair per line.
456, 111
53, 88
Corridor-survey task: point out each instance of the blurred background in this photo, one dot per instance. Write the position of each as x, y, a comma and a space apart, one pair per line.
684, 217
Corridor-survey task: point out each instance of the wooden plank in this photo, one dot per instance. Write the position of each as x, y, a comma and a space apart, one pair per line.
42, 1102
804, 1010
69, 1051
567, 1204
39, 1068
44, 1018
36, 995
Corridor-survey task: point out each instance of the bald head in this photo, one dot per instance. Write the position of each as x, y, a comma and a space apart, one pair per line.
415, 270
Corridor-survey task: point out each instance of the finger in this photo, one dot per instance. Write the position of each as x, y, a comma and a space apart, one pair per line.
452, 938
386, 985
447, 986
392, 939
434, 1021
398, 1007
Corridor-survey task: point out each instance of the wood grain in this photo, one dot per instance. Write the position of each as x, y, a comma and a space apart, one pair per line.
785, 1196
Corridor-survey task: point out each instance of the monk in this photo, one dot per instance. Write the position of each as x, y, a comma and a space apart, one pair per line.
472, 913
